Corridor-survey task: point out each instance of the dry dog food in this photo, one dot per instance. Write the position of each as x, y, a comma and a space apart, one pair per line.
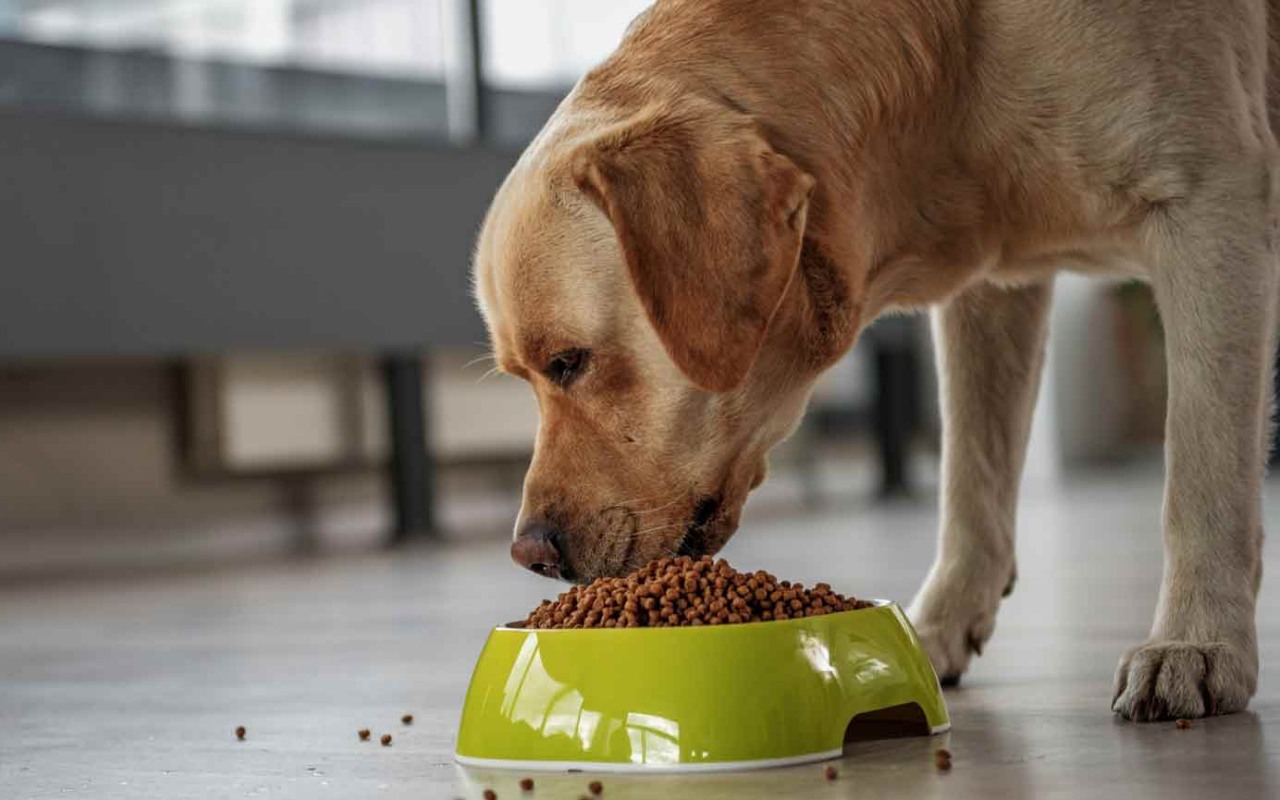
363, 733
407, 719
831, 772
240, 733
490, 794
942, 759
526, 784
386, 740
1183, 724
683, 592
595, 787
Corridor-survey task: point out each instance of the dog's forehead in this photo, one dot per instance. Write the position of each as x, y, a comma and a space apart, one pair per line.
548, 266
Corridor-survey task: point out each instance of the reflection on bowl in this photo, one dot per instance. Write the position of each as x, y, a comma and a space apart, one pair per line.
718, 697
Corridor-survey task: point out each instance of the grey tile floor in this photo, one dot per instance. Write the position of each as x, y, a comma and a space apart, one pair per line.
130, 687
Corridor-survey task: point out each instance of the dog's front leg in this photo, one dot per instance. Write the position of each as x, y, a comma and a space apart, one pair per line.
990, 343
1215, 280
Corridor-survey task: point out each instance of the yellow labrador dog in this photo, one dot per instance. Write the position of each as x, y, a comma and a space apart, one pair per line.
714, 213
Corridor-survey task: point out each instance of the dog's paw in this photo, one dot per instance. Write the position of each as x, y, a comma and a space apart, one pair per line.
951, 636
1174, 680
955, 614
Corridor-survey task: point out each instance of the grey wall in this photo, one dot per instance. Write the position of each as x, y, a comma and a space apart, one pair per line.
144, 238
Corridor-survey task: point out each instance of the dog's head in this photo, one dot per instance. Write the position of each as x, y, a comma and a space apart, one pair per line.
640, 277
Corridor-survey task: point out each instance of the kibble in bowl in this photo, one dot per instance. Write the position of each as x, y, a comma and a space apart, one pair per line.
689, 665
686, 592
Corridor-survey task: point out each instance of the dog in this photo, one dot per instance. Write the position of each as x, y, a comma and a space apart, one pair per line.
713, 214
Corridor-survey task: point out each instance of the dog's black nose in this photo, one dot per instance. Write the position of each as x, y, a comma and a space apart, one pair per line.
537, 548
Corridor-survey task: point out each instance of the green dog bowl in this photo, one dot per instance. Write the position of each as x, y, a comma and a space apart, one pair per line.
686, 699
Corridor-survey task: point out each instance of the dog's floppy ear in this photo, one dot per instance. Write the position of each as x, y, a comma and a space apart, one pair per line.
711, 221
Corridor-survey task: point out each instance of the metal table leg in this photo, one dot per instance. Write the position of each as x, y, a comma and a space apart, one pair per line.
894, 416
412, 465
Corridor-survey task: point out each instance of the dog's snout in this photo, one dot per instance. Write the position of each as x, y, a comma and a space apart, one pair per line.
537, 548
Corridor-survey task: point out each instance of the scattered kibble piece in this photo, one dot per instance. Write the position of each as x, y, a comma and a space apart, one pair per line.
1183, 724
240, 732
490, 794
685, 592
596, 787
364, 734
942, 759
386, 740
526, 784
831, 772
407, 719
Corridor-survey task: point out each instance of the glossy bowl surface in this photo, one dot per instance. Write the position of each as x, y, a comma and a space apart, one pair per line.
686, 699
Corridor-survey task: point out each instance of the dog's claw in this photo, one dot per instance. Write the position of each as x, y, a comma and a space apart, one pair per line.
975, 644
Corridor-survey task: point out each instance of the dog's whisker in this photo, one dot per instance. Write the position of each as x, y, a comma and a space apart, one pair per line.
639, 499
640, 512
656, 509
679, 495
479, 360
655, 528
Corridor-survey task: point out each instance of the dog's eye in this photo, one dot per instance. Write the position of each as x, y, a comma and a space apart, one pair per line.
566, 366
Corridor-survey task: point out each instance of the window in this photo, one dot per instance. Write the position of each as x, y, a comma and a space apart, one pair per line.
383, 37
550, 43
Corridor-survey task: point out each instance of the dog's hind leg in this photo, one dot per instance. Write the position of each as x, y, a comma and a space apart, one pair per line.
1214, 272
990, 343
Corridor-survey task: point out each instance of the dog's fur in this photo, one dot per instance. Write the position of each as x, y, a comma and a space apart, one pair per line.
716, 211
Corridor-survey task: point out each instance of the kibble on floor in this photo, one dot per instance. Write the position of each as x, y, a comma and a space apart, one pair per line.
386, 740
240, 733
407, 719
364, 734
526, 784
596, 787
831, 772
942, 759
682, 592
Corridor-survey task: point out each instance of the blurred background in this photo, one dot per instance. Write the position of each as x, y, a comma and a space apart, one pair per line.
234, 308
